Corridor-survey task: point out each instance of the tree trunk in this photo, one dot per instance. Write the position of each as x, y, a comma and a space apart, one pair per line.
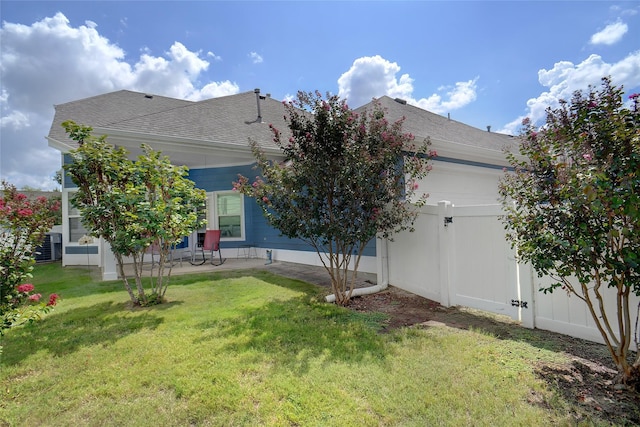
137, 267
127, 286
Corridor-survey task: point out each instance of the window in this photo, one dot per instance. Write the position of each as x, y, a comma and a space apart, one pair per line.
226, 213
76, 229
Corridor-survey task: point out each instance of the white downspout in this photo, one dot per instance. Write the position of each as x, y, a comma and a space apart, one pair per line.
382, 273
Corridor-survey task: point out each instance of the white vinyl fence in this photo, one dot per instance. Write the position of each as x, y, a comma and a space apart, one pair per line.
460, 256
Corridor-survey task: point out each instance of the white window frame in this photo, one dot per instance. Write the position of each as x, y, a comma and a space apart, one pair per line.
212, 214
67, 215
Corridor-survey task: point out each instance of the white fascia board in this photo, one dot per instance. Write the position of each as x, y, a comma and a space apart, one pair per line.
60, 146
456, 150
187, 145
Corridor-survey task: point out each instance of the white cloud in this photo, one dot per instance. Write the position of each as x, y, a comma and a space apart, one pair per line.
458, 96
214, 56
373, 76
565, 78
611, 34
216, 89
51, 62
255, 57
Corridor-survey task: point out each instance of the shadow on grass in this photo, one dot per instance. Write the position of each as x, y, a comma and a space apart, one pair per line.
66, 332
586, 381
504, 328
293, 332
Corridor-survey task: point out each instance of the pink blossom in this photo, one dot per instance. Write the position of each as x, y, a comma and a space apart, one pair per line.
265, 199
35, 297
634, 95
433, 153
53, 300
26, 287
587, 156
25, 212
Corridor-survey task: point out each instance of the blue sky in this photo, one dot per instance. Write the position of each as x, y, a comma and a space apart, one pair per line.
484, 63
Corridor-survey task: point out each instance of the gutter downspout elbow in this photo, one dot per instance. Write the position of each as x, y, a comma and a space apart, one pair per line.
361, 291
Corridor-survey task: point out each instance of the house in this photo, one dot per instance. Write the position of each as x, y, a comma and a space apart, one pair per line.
210, 137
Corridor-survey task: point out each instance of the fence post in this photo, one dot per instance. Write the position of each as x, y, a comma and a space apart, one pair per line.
445, 213
525, 283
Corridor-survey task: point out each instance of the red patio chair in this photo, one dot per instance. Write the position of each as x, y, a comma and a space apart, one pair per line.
212, 244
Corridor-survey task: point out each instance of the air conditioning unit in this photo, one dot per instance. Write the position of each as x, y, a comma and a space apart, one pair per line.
51, 249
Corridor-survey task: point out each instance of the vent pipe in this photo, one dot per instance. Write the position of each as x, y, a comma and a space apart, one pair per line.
489, 128
257, 92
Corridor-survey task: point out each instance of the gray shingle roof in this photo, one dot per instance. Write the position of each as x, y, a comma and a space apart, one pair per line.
228, 119
109, 108
233, 119
423, 123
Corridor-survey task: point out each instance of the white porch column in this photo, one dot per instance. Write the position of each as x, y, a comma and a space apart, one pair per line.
109, 271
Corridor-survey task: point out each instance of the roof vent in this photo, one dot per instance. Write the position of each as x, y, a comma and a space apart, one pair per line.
489, 128
401, 101
257, 92
148, 96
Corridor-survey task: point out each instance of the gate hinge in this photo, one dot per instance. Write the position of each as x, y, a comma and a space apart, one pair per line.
448, 220
518, 303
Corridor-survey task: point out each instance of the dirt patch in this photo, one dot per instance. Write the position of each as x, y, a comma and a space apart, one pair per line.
586, 381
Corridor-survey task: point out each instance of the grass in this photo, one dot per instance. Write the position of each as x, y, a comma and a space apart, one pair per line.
251, 348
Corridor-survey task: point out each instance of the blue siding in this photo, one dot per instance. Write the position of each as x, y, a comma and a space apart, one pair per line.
257, 229
67, 183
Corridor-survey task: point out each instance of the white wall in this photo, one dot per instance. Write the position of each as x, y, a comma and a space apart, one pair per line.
462, 185
367, 263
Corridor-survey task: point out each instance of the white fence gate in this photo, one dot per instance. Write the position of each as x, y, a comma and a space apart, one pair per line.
460, 256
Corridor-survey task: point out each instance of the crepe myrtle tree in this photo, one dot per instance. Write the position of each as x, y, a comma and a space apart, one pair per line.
132, 205
573, 209
23, 226
345, 178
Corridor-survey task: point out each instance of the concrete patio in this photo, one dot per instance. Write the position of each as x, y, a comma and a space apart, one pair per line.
308, 273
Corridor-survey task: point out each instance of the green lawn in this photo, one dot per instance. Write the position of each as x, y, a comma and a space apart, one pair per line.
251, 348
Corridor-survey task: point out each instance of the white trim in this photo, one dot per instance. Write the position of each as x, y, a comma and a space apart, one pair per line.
187, 145
368, 264
213, 216
223, 165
